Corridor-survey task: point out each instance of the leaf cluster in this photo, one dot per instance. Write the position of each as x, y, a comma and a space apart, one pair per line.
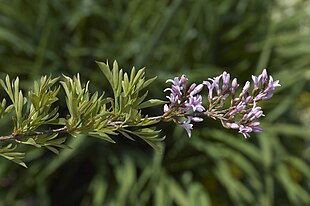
128, 102
88, 114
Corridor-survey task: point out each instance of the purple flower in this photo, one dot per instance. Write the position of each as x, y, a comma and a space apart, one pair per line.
226, 78
176, 89
248, 100
188, 127
166, 108
195, 103
255, 82
195, 119
271, 87
253, 113
255, 127
245, 89
245, 130
195, 90
240, 113
174, 99
259, 97
263, 78
183, 81
231, 125
234, 86
238, 108
266, 90
210, 89
183, 102
217, 85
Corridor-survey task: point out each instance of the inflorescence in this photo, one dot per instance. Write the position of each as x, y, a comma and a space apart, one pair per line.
235, 110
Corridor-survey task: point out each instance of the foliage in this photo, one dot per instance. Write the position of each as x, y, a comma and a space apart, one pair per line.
198, 38
89, 114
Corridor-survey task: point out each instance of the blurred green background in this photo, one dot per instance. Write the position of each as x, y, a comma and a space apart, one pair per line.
200, 38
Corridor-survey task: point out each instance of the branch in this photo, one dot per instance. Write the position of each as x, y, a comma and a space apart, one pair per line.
31, 134
57, 131
115, 123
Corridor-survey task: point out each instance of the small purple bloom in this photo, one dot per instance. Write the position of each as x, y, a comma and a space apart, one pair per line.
267, 96
255, 82
175, 81
191, 88
234, 86
254, 113
226, 78
238, 108
245, 130
249, 100
183, 81
195, 102
232, 125
255, 127
243, 112
263, 77
259, 97
272, 85
188, 127
257, 115
195, 89
195, 119
216, 83
210, 88
166, 108
245, 88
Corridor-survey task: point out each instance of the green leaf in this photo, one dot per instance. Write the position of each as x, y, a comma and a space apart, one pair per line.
101, 135
9, 153
148, 82
106, 71
53, 149
151, 103
31, 141
126, 135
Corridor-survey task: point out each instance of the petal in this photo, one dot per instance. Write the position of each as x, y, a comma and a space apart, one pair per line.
166, 108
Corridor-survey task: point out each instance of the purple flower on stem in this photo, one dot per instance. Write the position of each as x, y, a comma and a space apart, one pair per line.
226, 78
195, 103
188, 127
195, 90
245, 89
238, 108
183, 102
210, 89
263, 78
242, 113
243, 110
245, 130
234, 86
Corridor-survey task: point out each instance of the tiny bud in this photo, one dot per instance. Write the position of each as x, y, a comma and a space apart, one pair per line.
226, 77
183, 81
248, 100
264, 77
166, 108
197, 119
246, 87
196, 90
234, 86
255, 82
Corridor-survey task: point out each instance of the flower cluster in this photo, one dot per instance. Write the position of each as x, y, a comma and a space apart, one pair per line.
243, 105
183, 101
241, 112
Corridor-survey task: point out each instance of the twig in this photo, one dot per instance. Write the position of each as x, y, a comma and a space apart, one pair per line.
112, 123
31, 134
